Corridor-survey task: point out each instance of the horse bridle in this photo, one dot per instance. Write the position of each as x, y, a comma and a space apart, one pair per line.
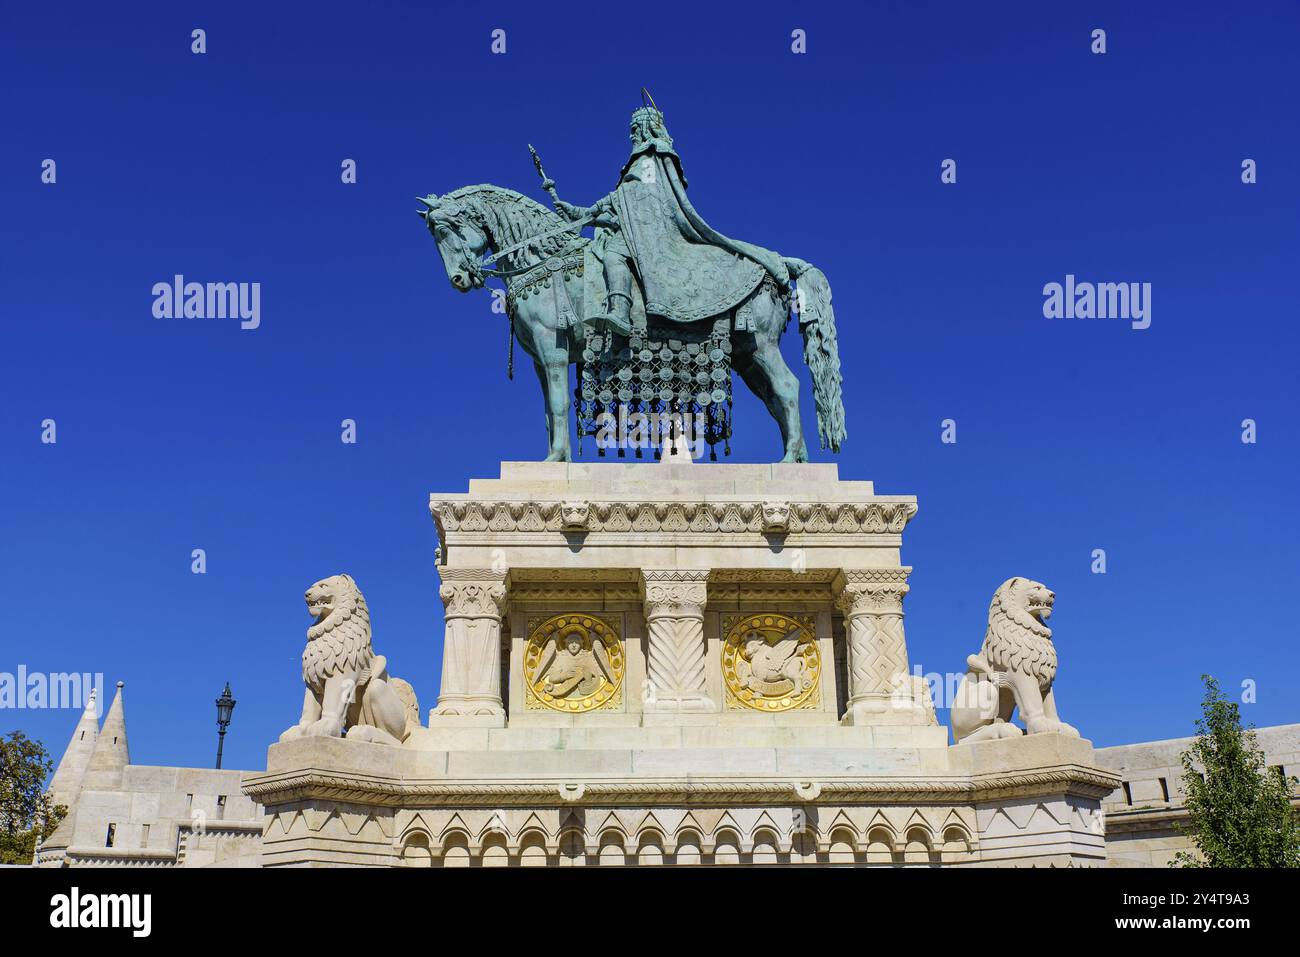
471, 262
482, 268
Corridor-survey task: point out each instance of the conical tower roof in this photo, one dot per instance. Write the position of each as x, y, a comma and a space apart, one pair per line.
66, 783
110, 756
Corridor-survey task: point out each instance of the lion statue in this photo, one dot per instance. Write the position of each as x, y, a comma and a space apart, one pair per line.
348, 685
1015, 669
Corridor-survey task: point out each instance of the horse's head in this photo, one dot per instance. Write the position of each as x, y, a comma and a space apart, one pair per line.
461, 239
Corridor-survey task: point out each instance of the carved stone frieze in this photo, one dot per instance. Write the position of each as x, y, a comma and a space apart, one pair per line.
849, 518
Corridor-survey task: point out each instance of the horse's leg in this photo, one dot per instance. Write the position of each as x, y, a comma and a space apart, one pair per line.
758, 359
541, 336
543, 379
555, 390
553, 374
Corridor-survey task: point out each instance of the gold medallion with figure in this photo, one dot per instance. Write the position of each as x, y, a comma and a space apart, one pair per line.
770, 662
573, 663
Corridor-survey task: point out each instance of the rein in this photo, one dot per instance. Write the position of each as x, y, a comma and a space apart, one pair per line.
502, 273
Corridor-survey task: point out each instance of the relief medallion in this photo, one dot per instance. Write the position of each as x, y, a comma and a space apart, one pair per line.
573, 663
770, 662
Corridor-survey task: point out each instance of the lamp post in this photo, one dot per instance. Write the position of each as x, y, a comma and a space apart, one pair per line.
225, 705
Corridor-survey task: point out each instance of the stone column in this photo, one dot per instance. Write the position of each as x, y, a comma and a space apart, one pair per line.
881, 689
675, 648
473, 599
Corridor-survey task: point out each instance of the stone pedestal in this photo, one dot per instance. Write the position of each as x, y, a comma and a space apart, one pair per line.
672, 664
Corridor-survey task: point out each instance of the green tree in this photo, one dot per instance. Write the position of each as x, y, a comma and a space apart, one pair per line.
26, 812
1239, 811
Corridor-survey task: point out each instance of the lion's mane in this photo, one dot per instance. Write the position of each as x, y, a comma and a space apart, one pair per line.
1016, 640
340, 642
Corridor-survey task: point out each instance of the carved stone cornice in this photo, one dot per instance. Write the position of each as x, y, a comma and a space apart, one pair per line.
871, 591
273, 789
472, 592
673, 591
795, 518
585, 575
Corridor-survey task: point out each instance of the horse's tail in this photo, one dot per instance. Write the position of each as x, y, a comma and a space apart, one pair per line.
821, 349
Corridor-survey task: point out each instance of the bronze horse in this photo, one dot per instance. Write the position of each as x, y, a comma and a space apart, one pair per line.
533, 250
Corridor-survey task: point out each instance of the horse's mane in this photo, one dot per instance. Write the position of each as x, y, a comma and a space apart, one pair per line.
513, 217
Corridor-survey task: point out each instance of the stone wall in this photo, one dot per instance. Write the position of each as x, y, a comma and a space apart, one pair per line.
1144, 813
161, 817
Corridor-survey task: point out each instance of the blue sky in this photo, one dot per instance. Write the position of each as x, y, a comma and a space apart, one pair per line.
1072, 435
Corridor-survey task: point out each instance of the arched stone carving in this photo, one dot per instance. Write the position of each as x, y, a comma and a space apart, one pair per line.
532, 849
853, 834
573, 848
494, 852
843, 846
726, 846
611, 853
765, 847
650, 850
455, 850
956, 845
916, 850
880, 845
689, 844
417, 850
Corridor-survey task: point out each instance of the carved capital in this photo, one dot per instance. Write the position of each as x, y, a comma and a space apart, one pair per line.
674, 591
472, 593
871, 591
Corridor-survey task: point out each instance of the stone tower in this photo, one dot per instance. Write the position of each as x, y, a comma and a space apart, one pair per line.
66, 783
110, 756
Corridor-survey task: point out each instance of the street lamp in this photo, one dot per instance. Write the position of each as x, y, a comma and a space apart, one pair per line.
225, 705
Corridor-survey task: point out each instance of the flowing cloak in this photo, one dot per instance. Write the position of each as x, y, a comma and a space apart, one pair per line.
689, 270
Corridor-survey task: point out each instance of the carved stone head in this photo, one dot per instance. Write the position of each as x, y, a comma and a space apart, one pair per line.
574, 515
776, 516
328, 594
